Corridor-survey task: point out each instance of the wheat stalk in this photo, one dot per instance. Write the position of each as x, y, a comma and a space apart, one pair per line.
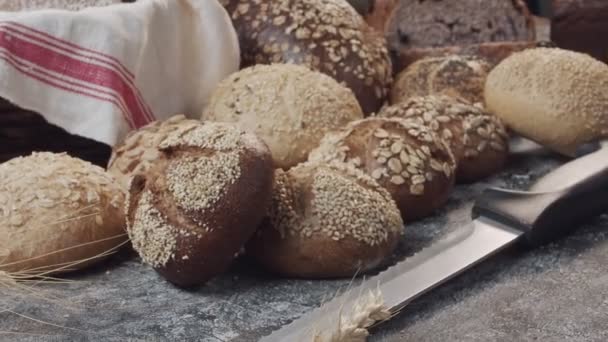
353, 326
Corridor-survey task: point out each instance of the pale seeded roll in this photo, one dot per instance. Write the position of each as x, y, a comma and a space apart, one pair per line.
478, 140
290, 107
462, 77
412, 163
192, 212
327, 36
326, 221
139, 150
555, 97
57, 214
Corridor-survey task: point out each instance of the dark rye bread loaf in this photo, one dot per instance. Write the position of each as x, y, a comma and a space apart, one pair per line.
418, 28
581, 25
420, 23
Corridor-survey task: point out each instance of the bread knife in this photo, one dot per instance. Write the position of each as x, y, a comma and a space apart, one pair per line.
551, 208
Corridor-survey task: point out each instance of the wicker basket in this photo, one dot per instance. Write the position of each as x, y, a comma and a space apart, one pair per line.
23, 132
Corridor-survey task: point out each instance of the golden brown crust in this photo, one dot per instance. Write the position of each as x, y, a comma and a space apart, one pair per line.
412, 163
55, 212
478, 140
139, 150
462, 77
555, 97
191, 213
317, 227
289, 106
492, 52
327, 36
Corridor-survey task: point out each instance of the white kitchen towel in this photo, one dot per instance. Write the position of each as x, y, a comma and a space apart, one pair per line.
101, 72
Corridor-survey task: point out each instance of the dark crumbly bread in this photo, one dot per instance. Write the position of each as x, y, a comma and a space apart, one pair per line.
437, 23
581, 25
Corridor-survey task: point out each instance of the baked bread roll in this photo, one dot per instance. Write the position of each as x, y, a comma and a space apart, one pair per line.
491, 52
139, 150
290, 107
478, 140
326, 221
555, 97
57, 214
412, 163
326, 36
192, 212
462, 77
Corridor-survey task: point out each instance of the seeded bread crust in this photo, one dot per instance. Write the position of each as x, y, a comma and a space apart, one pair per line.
492, 52
139, 150
317, 227
570, 102
407, 159
461, 77
50, 205
190, 215
326, 36
478, 140
289, 106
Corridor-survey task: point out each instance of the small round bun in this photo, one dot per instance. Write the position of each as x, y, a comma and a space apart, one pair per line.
289, 106
139, 150
326, 221
555, 97
478, 140
462, 77
57, 214
326, 36
405, 158
192, 212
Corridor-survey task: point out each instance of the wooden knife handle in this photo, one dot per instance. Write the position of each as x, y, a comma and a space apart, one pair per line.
556, 204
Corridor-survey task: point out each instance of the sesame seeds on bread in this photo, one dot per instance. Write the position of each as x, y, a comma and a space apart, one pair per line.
57, 214
192, 212
139, 150
326, 220
408, 159
555, 97
289, 106
478, 140
326, 36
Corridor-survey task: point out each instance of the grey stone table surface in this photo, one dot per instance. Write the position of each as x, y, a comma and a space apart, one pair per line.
556, 293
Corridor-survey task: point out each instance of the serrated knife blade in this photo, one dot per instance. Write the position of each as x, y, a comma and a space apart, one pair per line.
410, 278
553, 207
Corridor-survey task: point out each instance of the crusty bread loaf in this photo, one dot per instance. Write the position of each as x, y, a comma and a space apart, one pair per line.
492, 52
191, 213
438, 23
289, 106
57, 214
139, 150
555, 97
327, 36
461, 77
412, 163
478, 140
326, 220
